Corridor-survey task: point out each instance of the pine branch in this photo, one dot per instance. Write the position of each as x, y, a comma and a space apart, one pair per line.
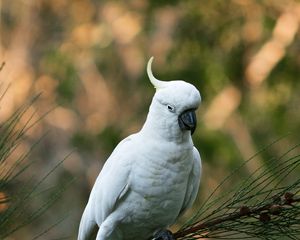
17, 195
2, 66
264, 212
264, 206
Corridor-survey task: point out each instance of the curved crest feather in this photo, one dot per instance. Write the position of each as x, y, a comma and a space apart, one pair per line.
155, 82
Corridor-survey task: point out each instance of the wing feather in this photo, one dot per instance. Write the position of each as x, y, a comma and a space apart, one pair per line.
111, 185
193, 182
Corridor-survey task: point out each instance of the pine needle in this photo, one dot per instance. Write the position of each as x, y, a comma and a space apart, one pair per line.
266, 205
16, 214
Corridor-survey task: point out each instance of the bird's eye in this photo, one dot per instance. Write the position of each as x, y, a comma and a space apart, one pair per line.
171, 108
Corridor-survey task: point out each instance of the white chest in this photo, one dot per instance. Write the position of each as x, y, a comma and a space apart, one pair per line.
158, 187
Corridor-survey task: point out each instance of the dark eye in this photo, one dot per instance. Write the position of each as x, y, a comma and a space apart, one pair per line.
171, 108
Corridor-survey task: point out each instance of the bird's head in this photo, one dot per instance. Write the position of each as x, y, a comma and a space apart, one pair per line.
174, 104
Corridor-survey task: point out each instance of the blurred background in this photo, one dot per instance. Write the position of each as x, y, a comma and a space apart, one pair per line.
87, 58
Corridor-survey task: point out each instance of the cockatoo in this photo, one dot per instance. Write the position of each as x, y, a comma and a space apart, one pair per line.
152, 176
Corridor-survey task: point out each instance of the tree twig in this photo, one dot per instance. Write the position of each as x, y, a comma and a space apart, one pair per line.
264, 212
2, 66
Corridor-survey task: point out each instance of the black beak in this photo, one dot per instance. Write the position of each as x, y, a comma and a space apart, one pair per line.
188, 120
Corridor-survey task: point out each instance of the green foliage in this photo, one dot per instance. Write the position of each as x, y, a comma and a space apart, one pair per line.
82, 141
22, 198
106, 139
109, 138
61, 68
265, 205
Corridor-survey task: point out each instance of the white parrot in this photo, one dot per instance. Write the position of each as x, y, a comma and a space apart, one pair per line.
152, 176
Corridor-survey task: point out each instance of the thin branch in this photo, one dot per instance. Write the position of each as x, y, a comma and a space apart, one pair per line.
261, 207
2, 66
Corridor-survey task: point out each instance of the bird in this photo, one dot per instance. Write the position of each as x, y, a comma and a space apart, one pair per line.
152, 177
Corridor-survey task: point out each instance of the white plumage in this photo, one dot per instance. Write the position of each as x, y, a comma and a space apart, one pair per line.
152, 176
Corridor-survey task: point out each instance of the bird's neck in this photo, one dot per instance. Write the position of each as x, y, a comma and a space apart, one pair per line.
164, 130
